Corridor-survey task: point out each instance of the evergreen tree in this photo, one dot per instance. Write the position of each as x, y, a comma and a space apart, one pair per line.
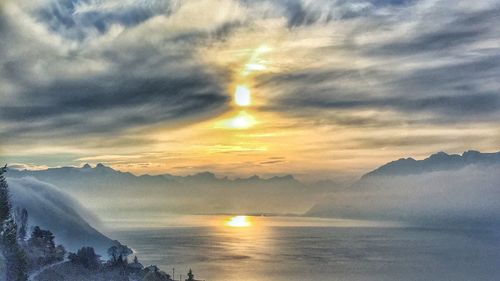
22, 223
16, 262
41, 248
14, 255
4, 198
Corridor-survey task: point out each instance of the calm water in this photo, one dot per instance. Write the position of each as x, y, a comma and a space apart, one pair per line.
290, 249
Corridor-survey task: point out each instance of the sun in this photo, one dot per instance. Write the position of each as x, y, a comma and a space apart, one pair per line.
238, 221
242, 96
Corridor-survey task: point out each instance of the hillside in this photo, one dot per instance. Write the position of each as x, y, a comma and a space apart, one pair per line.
52, 209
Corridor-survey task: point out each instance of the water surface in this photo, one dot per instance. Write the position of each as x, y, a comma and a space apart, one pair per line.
293, 249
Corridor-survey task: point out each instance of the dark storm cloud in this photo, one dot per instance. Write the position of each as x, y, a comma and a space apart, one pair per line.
110, 104
456, 106
443, 66
448, 91
462, 29
141, 101
127, 83
76, 67
440, 110
181, 95
76, 18
298, 14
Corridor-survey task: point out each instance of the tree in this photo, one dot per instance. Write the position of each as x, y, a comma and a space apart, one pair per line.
16, 263
190, 276
156, 275
113, 253
42, 238
4, 197
87, 257
118, 254
22, 222
15, 257
41, 248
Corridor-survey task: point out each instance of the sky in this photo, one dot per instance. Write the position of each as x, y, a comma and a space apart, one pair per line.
318, 89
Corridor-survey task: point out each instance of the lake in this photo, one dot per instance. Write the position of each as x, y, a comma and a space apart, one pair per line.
296, 248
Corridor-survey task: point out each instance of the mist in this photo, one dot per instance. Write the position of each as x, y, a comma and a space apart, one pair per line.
52, 209
115, 195
464, 197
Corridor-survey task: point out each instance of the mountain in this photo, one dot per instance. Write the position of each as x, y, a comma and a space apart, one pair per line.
436, 162
103, 174
116, 195
459, 190
52, 209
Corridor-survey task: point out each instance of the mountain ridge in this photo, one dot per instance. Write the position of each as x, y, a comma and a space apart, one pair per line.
99, 167
442, 189
116, 195
439, 161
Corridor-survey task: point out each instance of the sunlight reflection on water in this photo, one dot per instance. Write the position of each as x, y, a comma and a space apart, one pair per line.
293, 249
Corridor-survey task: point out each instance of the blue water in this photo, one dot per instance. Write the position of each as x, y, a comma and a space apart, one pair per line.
321, 250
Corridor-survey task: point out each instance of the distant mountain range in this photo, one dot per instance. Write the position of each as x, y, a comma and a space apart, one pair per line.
440, 161
104, 172
119, 195
440, 186
460, 190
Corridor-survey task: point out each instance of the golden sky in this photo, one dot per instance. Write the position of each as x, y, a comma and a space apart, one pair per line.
318, 89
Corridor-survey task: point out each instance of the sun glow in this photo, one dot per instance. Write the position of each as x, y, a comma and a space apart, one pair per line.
242, 96
241, 121
238, 221
254, 67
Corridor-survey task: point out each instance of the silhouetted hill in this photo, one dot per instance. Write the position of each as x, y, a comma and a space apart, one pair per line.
440, 161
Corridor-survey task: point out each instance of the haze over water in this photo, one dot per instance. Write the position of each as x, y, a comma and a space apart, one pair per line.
293, 249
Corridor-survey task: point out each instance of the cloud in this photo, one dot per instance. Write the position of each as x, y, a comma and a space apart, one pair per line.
92, 107
50, 208
452, 106
111, 72
443, 34
71, 74
29, 166
421, 58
